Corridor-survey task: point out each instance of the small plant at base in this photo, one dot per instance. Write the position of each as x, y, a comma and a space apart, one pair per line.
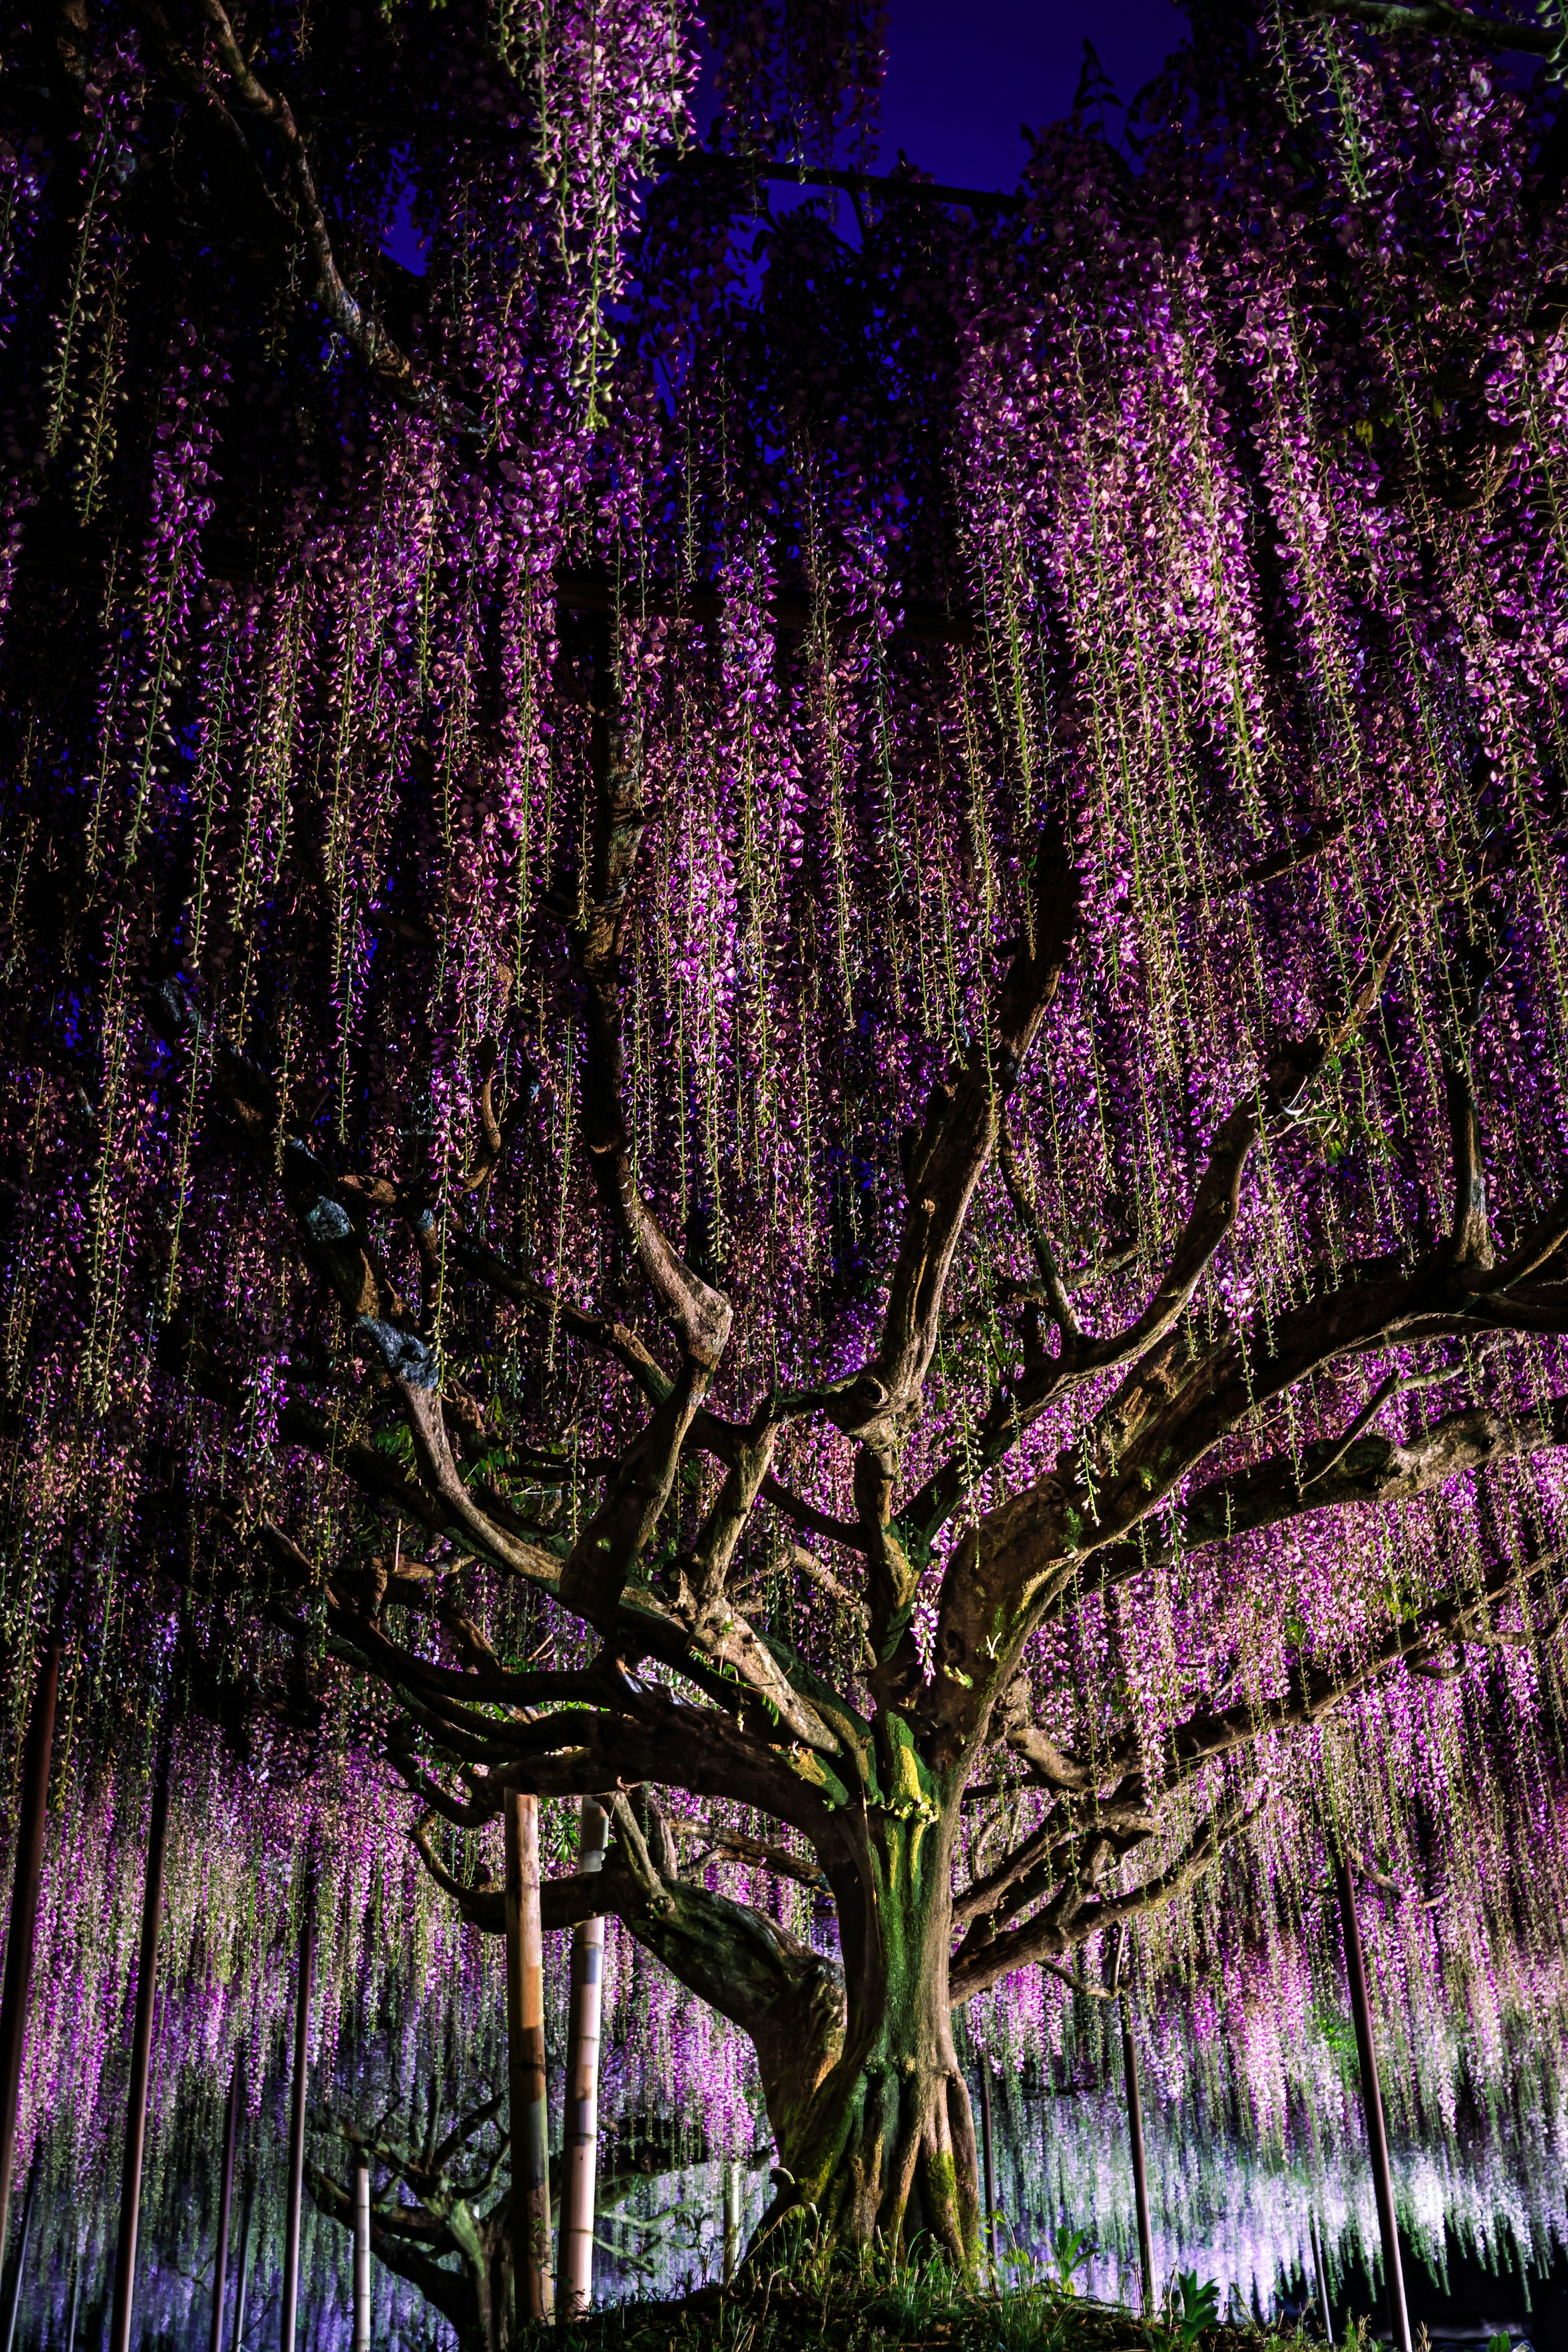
1070, 2252
910, 2284
1501, 2342
1200, 2310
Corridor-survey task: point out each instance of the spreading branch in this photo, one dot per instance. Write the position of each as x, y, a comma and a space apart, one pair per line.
360, 329
943, 1161
1423, 19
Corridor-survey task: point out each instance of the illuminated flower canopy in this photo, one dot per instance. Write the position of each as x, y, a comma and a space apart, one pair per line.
783, 987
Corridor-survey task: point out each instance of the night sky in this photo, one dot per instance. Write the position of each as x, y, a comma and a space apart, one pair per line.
960, 80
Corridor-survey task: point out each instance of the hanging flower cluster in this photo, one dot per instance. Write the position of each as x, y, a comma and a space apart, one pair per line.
1204, 520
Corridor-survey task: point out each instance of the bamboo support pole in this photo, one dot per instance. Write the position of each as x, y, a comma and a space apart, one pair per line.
528, 2088
141, 2059
1140, 2166
1372, 2107
1321, 2267
296, 2125
226, 2201
580, 2151
361, 2258
988, 2158
731, 2221
13, 2300
18, 1979
242, 2283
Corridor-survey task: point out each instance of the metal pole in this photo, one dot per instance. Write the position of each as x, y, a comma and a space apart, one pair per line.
1322, 2269
989, 2161
13, 2302
580, 2151
242, 2282
297, 2124
18, 1977
141, 2059
361, 2257
75, 2301
1372, 2102
528, 2093
225, 2198
1140, 2169
733, 2234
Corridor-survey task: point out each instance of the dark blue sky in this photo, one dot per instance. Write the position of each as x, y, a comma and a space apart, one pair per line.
963, 74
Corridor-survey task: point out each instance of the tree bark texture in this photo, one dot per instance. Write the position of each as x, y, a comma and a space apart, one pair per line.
528, 2089
141, 2059
883, 2141
18, 1979
579, 2150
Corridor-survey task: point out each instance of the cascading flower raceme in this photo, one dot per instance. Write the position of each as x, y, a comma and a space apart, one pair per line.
540, 791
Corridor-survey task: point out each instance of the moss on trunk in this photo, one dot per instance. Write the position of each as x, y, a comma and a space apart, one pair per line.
882, 2144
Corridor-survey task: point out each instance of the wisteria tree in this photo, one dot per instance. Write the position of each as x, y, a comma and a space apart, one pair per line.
783, 1008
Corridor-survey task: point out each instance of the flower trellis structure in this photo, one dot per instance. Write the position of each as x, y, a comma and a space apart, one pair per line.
784, 1016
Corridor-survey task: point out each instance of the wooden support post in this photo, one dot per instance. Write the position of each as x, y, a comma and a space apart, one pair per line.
1320, 2268
361, 2257
297, 2123
18, 1980
580, 2151
731, 2221
140, 2059
1372, 2107
13, 2300
528, 2090
242, 2283
226, 2199
988, 2160
75, 2304
1140, 2167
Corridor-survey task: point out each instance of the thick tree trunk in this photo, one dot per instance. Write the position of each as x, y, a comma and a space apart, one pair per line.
497, 2296
868, 2107
884, 2143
